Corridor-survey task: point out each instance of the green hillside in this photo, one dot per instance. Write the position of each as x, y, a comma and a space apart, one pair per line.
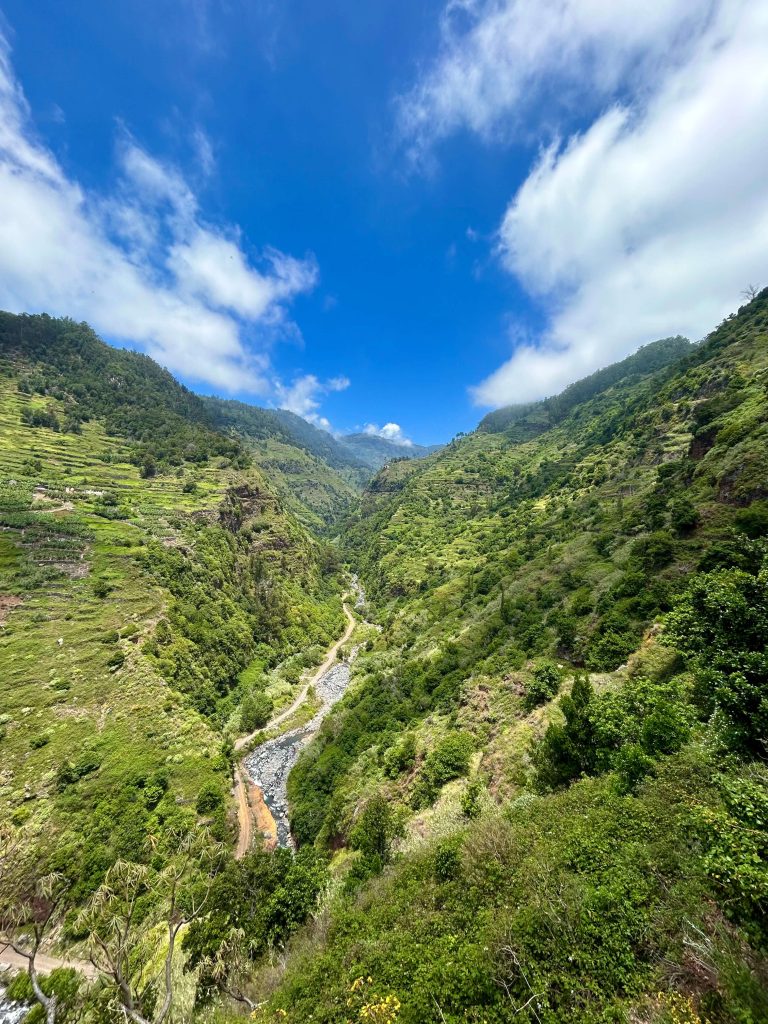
544, 796
531, 856
319, 475
150, 578
316, 475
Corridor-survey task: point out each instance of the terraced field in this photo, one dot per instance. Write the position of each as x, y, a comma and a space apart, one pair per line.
77, 604
92, 732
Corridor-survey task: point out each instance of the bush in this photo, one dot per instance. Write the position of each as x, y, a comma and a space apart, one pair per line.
543, 687
400, 758
449, 760
568, 750
720, 625
255, 712
607, 650
101, 588
373, 831
753, 521
209, 799
653, 551
116, 660
683, 516
470, 799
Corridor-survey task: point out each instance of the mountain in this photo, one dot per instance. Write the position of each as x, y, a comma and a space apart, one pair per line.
152, 581
318, 478
535, 417
375, 452
543, 795
321, 475
552, 747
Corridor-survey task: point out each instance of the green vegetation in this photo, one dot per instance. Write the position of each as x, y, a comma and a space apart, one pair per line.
317, 476
320, 476
615, 827
135, 602
544, 796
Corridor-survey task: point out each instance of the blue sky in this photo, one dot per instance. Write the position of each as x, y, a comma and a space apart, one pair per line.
383, 213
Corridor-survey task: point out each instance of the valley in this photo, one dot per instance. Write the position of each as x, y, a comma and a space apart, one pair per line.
495, 713
271, 759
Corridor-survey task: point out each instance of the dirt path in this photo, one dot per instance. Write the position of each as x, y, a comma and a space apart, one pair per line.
243, 786
244, 818
301, 696
45, 964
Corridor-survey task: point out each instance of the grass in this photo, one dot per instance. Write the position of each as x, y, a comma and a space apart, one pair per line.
77, 521
62, 692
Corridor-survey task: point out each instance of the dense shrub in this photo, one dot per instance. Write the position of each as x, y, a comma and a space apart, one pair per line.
544, 685
753, 521
449, 760
209, 799
720, 625
255, 712
622, 730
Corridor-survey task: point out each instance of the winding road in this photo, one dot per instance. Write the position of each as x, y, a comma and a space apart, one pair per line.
251, 802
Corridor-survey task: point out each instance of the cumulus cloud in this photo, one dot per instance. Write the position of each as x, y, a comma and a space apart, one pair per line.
390, 432
649, 221
140, 264
498, 60
304, 395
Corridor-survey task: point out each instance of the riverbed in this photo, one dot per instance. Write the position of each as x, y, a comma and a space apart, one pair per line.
11, 1013
270, 764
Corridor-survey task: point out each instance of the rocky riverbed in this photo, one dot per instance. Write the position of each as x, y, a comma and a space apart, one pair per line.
270, 764
11, 1013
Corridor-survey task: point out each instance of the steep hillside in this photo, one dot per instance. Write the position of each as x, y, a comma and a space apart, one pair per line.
150, 579
319, 474
536, 417
318, 477
591, 857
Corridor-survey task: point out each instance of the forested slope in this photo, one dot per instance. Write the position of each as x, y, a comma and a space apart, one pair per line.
150, 579
555, 752
318, 477
544, 796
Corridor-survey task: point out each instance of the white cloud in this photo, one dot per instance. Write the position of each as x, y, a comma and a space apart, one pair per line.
141, 265
304, 394
390, 432
206, 157
498, 60
649, 223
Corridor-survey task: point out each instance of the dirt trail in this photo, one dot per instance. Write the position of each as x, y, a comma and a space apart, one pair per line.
250, 799
244, 818
45, 964
302, 694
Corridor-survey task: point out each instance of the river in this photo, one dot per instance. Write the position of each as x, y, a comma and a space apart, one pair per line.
270, 764
11, 1013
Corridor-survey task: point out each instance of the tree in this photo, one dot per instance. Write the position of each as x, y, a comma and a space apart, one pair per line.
683, 516
119, 928
30, 909
753, 521
568, 750
720, 625
750, 292
373, 831
543, 686
231, 966
255, 711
